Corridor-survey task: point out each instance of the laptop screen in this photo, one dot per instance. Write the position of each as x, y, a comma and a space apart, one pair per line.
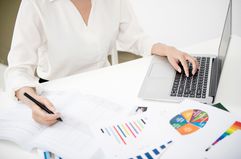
226, 35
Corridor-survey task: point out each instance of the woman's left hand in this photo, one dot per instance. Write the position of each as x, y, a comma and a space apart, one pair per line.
175, 56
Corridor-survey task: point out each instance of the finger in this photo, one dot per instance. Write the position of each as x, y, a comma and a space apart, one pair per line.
193, 62
52, 123
48, 104
174, 64
51, 117
38, 119
38, 112
44, 122
184, 64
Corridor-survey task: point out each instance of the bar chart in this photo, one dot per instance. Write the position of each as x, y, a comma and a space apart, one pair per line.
153, 153
123, 132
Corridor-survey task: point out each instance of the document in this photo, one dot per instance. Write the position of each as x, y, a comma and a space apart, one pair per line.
131, 137
197, 126
192, 130
69, 139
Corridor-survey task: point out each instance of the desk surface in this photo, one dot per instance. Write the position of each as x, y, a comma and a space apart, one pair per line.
121, 83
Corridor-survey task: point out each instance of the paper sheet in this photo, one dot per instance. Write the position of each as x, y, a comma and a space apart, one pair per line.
131, 137
227, 148
17, 125
67, 142
70, 138
193, 145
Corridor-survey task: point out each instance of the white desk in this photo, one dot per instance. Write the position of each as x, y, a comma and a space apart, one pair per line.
10, 150
121, 83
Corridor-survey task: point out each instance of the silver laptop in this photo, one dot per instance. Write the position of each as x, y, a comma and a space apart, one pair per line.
163, 83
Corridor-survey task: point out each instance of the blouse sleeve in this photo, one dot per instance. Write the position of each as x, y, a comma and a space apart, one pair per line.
23, 58
131, 36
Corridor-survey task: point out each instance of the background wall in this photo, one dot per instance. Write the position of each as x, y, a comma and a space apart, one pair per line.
8, 12
185, 22
237, 17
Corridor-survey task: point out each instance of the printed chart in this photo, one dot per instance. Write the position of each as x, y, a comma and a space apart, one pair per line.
189, 121
236, 126
123, 132
153, 153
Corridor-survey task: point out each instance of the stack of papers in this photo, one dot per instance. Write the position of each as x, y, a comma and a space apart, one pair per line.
97, 128
193, 130
69, 139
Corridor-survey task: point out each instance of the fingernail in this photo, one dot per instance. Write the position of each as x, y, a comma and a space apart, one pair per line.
179, 70
187, 75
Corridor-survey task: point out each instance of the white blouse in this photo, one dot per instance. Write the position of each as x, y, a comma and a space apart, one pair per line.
51, 39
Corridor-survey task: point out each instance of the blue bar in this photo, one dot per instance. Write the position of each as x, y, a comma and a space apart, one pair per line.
45, 155
121, 130
116, 138
156, 152
139, 157
162, 146
133, 127
148, 155
107, 131
48, 154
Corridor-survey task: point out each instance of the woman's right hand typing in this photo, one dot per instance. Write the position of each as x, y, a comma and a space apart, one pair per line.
38, 114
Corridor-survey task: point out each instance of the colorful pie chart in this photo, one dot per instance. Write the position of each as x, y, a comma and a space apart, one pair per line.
189, 121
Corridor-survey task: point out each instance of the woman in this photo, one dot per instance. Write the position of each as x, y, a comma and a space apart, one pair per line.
57, 38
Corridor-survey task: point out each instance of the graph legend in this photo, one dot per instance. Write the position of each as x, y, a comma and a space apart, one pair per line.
236, 126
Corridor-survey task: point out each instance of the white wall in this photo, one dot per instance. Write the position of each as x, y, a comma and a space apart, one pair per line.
237, 17
185, 22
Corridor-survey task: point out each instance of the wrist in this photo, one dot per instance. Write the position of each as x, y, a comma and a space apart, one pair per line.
20, 94
160, 49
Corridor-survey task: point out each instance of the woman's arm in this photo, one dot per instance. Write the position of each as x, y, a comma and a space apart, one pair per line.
175, 56
23, 56
133, 39
23, 59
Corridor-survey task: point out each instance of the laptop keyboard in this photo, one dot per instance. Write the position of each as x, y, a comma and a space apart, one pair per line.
193, 86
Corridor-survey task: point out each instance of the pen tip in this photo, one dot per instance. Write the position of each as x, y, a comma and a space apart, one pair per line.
59, 119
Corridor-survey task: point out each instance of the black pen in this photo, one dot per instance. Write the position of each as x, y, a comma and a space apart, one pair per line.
42, 106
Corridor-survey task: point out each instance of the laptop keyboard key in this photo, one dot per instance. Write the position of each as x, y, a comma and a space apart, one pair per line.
193, 86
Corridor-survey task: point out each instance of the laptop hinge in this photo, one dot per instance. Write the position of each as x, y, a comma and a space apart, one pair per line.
215, 72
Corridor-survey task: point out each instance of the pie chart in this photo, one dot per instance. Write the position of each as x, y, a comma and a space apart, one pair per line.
189, 121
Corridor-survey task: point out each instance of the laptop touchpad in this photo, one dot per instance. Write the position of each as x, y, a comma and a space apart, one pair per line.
161, 70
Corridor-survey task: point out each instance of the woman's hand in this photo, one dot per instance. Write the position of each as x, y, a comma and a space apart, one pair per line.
38, 114
175, 56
